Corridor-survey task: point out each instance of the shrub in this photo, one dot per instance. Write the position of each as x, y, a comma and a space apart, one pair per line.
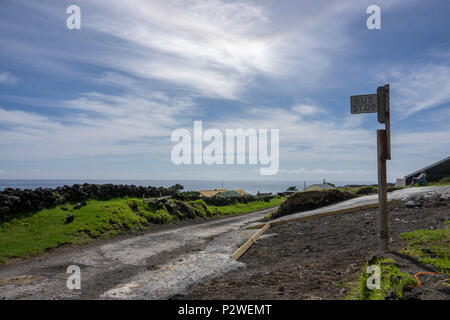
366, 190
445, 180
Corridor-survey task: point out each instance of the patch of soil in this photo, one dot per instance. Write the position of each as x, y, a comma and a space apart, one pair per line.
312, 259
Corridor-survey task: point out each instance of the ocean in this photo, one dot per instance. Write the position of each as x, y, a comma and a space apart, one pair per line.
251, 187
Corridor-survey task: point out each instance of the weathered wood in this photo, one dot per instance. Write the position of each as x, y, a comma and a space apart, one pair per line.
387, 112
383, 233
239, 252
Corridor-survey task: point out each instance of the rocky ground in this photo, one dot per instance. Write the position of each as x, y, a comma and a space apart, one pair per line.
316, 259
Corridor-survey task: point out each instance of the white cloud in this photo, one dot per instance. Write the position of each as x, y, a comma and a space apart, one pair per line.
94, 124
418, 87
212, 48
7, 78
306, 110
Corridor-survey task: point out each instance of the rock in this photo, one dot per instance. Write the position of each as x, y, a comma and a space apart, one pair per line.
69, 219
13, 201
410, 204
412, 293
64, 208
391, 295
4, 210
77, 206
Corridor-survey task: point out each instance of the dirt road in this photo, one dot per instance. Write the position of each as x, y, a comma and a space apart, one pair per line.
154, 265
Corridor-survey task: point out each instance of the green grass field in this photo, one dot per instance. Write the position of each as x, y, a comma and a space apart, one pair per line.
33, 234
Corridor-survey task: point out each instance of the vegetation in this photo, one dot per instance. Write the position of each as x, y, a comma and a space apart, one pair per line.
430, 247
240, 208
392, 279
27, 235
445, 180
442, 182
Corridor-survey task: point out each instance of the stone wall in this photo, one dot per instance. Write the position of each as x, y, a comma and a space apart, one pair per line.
14, 201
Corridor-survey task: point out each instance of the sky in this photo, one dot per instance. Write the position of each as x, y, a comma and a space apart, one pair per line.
101, 102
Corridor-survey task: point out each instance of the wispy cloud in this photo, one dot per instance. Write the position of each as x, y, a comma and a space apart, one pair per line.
306, 110
419, 87
94, 124
7, 78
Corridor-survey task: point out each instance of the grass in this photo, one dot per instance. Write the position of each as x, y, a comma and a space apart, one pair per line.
391, 279
31, 235
240, 208
442, 182
430, 247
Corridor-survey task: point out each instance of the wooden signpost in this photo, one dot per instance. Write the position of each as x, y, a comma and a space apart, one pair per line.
379, 103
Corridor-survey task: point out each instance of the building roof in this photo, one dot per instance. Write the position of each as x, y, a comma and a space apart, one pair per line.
320, 186
210, 193
428, 167
228, 194
241, 192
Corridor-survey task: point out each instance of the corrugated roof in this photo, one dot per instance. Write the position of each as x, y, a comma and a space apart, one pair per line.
229, 194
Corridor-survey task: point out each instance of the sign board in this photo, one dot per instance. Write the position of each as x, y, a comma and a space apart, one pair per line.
366, 103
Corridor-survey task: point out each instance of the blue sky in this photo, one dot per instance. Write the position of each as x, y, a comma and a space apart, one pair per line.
101, 102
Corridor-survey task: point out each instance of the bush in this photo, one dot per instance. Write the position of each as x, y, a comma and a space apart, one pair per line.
445, 180
366, 190
309, 200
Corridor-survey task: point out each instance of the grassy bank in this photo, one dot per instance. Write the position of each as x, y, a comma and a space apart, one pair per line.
26, 236
240, 208
430, 247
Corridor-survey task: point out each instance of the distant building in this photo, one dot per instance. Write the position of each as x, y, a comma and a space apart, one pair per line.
228, 194
222, 193
434, 172
318, 187
210, 193
241, 192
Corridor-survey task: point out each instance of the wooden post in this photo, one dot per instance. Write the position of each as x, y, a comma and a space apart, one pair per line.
382, 150
387, 123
